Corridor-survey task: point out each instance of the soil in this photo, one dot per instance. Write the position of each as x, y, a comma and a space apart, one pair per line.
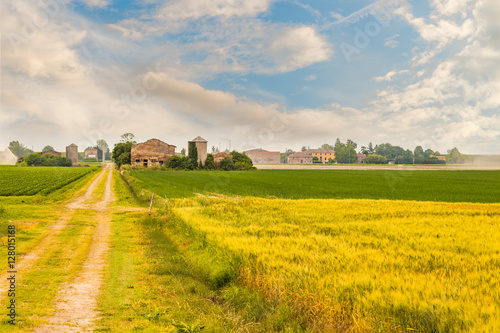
76, 303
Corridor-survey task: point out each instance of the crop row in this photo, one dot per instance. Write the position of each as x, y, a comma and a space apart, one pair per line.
16, 181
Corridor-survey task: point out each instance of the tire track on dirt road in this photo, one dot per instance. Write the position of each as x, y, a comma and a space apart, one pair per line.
76, 303
29, 259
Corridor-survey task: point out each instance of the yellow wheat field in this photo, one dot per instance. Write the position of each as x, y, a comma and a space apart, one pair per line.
364, 265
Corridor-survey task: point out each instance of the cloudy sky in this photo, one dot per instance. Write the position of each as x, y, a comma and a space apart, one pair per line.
252, 73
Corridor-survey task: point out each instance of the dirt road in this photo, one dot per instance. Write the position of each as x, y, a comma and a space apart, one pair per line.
76, 303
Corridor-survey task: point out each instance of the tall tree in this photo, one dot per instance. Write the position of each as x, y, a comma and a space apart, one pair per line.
345, 154
304, 148
326, 146
19, 149
371, 150
128, 137
47, 148
103, 145
419, 151
122, 153
193, 152
352, 143
389, 151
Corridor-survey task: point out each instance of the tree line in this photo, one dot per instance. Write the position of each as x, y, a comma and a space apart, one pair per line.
386, 153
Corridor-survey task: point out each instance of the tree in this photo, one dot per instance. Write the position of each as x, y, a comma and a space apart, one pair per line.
19, 149
364, 150
128, 137
419, 151
241, 161
316, 159
103, 146
326, 146
284, 155
209, 162
183, 151
454, 156
371, 150
193, 152
428, 153
304, 148
389, 151
226, 164
376, 159
345, 153
351, 143
122, 153
47, 148
406, 158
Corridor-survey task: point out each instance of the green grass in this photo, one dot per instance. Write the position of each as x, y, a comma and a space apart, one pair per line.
36, 291
18, 181
154, 284
441, 185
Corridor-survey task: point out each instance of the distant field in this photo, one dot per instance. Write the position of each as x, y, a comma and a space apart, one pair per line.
357, 265
15, 181
421, 185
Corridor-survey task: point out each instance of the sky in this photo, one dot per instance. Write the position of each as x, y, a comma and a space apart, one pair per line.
249, 74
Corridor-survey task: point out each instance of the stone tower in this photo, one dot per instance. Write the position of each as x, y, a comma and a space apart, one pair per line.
201, 145
72, 154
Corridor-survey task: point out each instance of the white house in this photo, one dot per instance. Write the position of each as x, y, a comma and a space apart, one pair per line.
7, 157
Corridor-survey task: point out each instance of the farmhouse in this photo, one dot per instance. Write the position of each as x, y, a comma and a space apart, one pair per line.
51, 152
262, 156
153, 152
7, 157
361, 159
91, 152
323, 155
300, 158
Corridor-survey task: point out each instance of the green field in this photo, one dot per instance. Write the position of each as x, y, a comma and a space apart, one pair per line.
15, 181
446, 185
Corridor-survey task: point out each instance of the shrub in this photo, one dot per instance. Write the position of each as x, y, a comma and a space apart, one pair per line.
37, 159
376, 159
226, 164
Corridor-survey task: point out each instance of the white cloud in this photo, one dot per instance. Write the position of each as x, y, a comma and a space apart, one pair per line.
96, 3
392, 42
390, 76
195, 9
442, 30
311, 77
299, 47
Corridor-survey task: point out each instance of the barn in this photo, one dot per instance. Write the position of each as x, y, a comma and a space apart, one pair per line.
153, 152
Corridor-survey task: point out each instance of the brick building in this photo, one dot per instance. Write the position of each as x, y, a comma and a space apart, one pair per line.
261, 156
153, 152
